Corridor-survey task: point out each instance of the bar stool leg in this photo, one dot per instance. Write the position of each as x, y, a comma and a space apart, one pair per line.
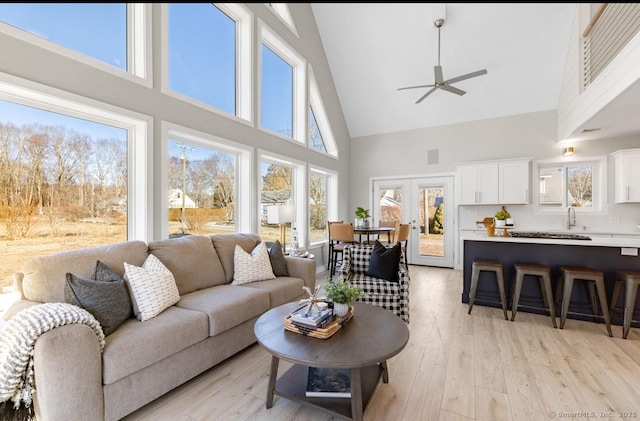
475, 274
603, 304
516, 293
503, 297
545, 285
592, 298
566, 295
631, 289
614, 296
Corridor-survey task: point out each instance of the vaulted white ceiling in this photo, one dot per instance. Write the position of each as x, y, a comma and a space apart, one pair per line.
373, 49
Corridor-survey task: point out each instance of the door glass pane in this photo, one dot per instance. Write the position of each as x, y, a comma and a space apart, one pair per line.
431, 218
390, 204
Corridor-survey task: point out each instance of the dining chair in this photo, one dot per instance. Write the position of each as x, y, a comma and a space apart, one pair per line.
403, 238
342, 235
331, 243
390, 240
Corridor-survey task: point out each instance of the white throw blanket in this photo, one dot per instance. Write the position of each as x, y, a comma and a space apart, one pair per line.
17, 341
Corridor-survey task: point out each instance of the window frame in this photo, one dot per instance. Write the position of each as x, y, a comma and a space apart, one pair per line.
269, 38
281, 10
243, 18
317, 105
139, 48
599, 185
243, 174
139, 129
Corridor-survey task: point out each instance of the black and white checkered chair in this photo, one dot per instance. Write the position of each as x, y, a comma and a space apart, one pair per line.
393, 296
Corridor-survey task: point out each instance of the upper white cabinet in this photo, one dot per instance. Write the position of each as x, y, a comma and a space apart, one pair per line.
496, 182
513, 185
627, 175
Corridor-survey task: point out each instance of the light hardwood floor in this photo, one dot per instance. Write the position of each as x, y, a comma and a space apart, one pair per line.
456, 367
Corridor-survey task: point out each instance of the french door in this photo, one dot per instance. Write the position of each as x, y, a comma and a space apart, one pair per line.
427, 204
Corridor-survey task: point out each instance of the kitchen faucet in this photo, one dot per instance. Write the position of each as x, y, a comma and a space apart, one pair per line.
571, 218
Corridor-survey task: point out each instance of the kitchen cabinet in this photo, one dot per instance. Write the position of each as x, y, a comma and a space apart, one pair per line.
494, 182
478, 183
627, 175
513, 182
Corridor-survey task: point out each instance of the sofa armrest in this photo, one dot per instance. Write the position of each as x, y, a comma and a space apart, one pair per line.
68, 374
303, 268
17, 306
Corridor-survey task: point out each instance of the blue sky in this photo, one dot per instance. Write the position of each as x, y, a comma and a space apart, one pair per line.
199, 69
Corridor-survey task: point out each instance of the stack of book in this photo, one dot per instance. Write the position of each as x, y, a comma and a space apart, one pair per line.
328, 383
314, 319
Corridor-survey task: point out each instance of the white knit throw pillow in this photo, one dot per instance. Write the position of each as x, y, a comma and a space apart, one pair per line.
251, 267
153, 288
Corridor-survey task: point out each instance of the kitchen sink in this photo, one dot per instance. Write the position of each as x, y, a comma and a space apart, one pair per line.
550, 235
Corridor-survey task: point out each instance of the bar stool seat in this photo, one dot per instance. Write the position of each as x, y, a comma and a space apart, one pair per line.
543, 273
495, 267
631, 280
596, 284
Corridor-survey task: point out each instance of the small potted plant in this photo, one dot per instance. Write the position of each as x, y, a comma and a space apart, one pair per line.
342, 294
362, 217
501, 217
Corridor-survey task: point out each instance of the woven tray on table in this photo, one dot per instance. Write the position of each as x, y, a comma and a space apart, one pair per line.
320, 333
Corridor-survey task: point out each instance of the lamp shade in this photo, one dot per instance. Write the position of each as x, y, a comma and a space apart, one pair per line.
280, 214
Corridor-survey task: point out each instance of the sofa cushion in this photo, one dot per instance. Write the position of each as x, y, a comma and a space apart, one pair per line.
152, 286
105, 296
136, 345
226, 305
278, 263
192, 260
225, 245
45, 276
281, 290
251, 267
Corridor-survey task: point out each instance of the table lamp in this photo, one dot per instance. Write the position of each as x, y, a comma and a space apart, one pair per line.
281, 215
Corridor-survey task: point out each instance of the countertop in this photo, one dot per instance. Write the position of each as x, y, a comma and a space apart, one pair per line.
596, 240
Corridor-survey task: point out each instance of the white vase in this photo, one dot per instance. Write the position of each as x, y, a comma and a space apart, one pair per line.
340, 309
500, 223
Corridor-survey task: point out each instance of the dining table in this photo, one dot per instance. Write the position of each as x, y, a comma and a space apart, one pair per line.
368, 231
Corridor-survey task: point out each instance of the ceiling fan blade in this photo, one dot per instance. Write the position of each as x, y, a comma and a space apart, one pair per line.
467, 76
452, 89
418, 86
426, 95
438, 72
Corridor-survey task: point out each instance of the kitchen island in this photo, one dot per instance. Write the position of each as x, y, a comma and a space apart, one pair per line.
607, 254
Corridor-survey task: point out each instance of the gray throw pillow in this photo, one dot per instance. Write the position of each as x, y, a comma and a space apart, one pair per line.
106, 297
278, 264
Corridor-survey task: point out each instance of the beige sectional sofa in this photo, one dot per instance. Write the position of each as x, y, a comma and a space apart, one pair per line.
143, 360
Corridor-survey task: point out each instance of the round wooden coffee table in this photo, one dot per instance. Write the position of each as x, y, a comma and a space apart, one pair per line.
363, 344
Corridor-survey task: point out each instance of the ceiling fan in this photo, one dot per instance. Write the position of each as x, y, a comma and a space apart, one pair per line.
440, 83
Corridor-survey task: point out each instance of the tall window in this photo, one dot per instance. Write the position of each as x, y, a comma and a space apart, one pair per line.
63, 184
202, 54
569, 185
277, 189
320, 134
318, 195
277, 93
201, 190
98, 30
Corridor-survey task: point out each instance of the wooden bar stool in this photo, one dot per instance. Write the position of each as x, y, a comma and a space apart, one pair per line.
631, 281
543, 273
487, 266
596, 282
